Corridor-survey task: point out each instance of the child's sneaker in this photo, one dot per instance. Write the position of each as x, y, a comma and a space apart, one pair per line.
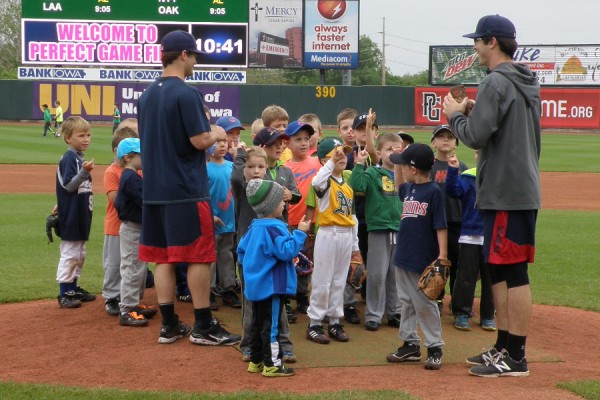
351, 315
184, 298
434, 358
111, 306
394, 320
462, 322
317, 335
83, 295
231, 299
337, 332
276, 372
132, 318
408, 352
289, 357
246, 354
147, 311
213, 336
255, 368
169, 334
488, 324
68, 300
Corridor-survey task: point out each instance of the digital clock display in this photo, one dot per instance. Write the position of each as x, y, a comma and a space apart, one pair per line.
223, 44
102, 9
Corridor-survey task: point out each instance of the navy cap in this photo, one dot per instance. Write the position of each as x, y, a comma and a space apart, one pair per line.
128, 145
298, 126
361, 119
229, 123
179, 41
267, 136
493, 26
418, 155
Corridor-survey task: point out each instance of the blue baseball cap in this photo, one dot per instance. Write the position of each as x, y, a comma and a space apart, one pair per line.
178, 41
229, 123
298, 126
267, 136
418, 155
493, 26
128, 145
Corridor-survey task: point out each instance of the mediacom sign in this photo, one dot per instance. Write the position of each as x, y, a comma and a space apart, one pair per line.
561, 108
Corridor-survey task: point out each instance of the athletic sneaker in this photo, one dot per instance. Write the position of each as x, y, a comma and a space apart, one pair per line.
147, 311
289, 357
351, 315
337, 332
68, 300
503, 365
434, 358
185, 298
461, 322
255, 368
408, 352
394, 321
111, 306
215, 335
371, 326
132, 318
276, 372
231, 299
488, 324
317, 334
486, 357
83, 295
246, 354
169, 334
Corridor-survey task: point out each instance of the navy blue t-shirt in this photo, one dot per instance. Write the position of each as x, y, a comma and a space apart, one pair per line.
423, 213
74, 197
169, 113
129, 197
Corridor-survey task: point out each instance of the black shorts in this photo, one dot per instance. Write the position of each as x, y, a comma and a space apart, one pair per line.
509, 236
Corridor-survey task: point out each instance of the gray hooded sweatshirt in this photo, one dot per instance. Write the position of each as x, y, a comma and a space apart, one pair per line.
504, 126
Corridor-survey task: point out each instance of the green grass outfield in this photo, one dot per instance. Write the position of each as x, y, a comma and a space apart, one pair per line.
560, 152
564, 273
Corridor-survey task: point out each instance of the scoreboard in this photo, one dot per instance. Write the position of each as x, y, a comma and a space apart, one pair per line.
128, 32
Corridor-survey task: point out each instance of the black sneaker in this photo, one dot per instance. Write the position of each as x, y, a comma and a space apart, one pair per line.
147, 311
69, 300
217, 291
184, 298
132, 318
337, 332
111, 306
169, 334
213, 336
486, 357
277, 372
502, 365
434, 358
213, 302
316, 334
408, 352
83, 295
291, 314
371, 326
351, 315
231, 299
394, 320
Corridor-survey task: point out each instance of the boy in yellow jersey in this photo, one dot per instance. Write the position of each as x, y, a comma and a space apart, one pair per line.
335, 243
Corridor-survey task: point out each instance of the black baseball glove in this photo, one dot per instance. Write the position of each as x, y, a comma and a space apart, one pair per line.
52, 223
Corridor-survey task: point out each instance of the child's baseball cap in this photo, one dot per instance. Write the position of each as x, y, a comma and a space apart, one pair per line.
177, 41
441, 128
267, 136
229, 123
264, 196
361, 119
128, 145
406, 137
418, 155
298, 126
327, 146
493, 26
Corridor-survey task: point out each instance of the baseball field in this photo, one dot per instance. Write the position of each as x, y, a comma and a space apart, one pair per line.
83, 353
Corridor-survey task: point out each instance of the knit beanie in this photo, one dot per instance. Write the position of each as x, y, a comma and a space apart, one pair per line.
264, 196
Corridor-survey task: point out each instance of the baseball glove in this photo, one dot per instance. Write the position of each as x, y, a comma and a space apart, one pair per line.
357, 273
52, 223
303, 264
434, 278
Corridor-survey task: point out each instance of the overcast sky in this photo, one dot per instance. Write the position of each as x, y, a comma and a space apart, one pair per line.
411, 29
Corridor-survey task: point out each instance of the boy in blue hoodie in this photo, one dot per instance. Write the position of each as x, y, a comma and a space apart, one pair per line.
470, 252
266, 254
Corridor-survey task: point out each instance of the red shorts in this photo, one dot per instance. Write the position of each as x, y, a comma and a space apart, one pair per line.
509, 236
180, 232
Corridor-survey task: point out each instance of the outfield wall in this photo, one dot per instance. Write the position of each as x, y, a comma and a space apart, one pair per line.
568, 108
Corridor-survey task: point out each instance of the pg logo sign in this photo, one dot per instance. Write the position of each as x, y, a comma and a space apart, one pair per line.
431, 105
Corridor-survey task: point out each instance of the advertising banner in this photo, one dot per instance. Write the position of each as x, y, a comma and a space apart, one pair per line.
275, 36
564, 65
561, 107
115, 75
95, 101
331, 33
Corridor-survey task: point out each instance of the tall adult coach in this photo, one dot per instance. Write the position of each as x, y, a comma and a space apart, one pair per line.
504, 125
177, 222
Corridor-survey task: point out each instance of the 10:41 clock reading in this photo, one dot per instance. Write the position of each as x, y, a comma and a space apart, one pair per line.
211, 46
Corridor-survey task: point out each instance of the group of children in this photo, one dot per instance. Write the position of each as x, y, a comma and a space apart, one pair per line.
361, 197
48, 118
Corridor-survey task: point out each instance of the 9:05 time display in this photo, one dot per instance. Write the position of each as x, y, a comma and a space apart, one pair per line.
223, 45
